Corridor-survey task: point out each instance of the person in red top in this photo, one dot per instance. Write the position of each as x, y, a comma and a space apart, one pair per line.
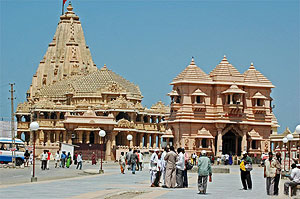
48, 160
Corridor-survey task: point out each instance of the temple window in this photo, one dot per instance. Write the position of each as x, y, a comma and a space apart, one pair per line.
61, 116
178, 98
259, 102
145, 119
138, 118
204, 143
92, 138
254, 145
236, 98
46, 115
53, 116
123, 115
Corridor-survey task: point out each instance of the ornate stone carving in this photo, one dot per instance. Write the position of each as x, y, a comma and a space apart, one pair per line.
121, 103
114, 88
123, 123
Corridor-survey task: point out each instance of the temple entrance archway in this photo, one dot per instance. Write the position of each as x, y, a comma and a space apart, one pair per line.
231, 143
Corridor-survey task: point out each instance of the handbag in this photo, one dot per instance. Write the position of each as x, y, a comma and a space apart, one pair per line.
188, 166
248, 167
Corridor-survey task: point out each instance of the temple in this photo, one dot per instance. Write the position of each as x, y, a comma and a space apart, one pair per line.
72, 100
224, 112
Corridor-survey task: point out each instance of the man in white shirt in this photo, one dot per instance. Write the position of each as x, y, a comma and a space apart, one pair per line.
163, 165
179, 168
57, 159
79, 161
295, 180
141, 158
153, 166
44, 157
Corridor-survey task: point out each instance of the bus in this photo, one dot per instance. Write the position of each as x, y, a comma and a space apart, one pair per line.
6, 148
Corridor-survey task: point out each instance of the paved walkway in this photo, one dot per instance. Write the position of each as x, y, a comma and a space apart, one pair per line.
113, 185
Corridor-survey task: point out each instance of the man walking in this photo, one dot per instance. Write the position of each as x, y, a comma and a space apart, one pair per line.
278, 171
186, 160
204, 169
44, 157
79, 161
163, 165
141, 158
245, 167
48, 160
153, 166
171, 168
133, 160
63, 159
270, 173
128, 158
122, 162
57, 158
180, 168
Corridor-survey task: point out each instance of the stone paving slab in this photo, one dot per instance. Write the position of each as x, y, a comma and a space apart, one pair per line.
112, 183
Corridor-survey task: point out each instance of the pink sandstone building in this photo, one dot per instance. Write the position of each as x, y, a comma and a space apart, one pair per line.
223, 112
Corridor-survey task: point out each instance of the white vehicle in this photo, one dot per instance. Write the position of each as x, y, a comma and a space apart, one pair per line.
6, 148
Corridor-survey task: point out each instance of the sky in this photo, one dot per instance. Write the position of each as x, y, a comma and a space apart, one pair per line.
151, 42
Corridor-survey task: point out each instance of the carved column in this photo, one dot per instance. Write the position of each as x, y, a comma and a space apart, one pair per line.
56, 136
213, 146
113, 139
64, 136
108, 146
148, 140
219, 142
200, 142
159, 141
69, 137
48, 138
244, 138
141, 139
87, 137
80, 137
31, 138
153, 141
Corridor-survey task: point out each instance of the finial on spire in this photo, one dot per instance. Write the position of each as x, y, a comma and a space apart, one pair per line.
104, 66
252, 66
70, 8
192, 62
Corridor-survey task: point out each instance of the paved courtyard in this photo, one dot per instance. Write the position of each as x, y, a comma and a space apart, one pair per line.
114, 185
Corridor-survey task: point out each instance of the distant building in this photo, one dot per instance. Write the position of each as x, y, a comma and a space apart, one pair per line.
224, 112
72, 100
5, 129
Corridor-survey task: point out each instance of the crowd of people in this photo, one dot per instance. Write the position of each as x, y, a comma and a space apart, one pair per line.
169, 168
60, 160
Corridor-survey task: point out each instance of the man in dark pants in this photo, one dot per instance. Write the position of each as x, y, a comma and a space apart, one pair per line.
185, 178
245, 174
278, 171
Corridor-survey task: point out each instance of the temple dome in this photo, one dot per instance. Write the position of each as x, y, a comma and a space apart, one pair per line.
102, 81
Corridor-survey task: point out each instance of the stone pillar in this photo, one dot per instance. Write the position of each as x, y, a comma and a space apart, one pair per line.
250, 144
37, 137
65, 137
148, 140
113, 139
200, 143
244, 142
48, 138
141, 139
31, 138
108, 146
56, 136
177, 138
80, 137
153, 140
231, 101
213, 146
159, 142
87, 137
219, 142
209, 143
69, 137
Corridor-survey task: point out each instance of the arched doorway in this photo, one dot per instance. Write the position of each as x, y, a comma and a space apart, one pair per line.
231, 143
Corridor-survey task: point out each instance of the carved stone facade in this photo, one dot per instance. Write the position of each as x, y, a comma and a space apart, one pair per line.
72, 100
224, 112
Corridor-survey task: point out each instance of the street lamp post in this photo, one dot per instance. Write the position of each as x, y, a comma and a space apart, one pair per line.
284, 140
129, 138
102, 134
290, 138
34, 126
298, 132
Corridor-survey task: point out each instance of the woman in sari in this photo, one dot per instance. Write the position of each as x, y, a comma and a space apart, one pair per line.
69, 160
94, 158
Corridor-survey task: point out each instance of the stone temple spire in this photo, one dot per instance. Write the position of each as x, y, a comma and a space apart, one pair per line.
67, 55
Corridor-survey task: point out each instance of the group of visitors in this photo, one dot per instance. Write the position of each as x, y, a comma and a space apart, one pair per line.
272, 172
133, 160
28, 158
61, 160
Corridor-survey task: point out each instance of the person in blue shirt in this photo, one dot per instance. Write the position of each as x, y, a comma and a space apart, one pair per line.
63, 159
